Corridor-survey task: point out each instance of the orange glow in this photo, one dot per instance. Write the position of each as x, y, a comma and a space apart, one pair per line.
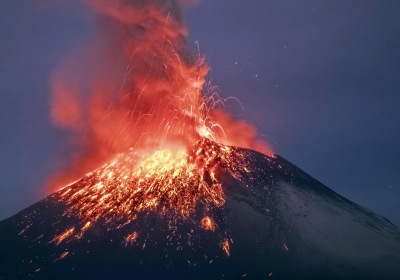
207, 223
136, 102
59, 238
63, 255
24, 229
136, 86
169, 181
87, 225
225, 247
131, 238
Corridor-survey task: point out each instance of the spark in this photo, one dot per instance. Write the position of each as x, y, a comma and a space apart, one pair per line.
285, 247
24, 229
169, 182
131, 238
59, 238
63, 255
86, 226
225, 247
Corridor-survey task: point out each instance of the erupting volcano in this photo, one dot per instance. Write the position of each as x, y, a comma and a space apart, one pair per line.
131, 183
167, 182
137, 85
216, 211
163, 132
168, 185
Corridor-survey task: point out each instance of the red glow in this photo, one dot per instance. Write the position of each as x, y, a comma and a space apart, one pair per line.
136, 85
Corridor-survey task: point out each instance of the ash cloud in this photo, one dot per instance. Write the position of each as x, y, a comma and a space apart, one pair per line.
137, 84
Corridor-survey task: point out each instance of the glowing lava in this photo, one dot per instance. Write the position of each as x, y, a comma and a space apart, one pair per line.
225, 247
143, 106
131, 238
167, 180
59, 238
208, 223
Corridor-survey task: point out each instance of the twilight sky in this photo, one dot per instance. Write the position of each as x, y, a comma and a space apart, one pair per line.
319, 78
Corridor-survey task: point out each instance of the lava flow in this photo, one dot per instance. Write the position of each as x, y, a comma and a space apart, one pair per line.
143, 107
166, 180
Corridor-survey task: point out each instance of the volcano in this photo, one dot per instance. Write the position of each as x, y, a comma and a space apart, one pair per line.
218, 212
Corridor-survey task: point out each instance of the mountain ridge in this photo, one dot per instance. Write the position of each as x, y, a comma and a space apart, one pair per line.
276, 219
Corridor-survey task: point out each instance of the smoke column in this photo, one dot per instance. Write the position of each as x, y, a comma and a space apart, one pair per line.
138, 85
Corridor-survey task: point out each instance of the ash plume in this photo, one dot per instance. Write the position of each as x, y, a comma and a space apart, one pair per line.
137, 84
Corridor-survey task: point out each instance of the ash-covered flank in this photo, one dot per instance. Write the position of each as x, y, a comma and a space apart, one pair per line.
216, 212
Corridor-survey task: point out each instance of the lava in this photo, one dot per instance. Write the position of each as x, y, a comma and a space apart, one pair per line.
63, 255
143, 111
138, 85
134, 182
207, 223
131, 238
225, 247
59, 238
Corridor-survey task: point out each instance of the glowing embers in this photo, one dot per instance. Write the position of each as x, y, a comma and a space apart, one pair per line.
132, 183
168, 182
130, 239
59, 238
63, 255
86, 226
207, 223
225, 246
24, 229
123, 188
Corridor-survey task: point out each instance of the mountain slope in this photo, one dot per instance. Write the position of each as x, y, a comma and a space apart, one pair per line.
276, 222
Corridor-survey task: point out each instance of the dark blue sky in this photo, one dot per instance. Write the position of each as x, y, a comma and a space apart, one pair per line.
319, 78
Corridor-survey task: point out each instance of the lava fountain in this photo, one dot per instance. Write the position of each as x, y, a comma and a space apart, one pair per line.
143, 110
136, 84
160, 169
169, 182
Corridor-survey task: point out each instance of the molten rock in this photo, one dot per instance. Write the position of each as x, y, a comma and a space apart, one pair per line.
214, 212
